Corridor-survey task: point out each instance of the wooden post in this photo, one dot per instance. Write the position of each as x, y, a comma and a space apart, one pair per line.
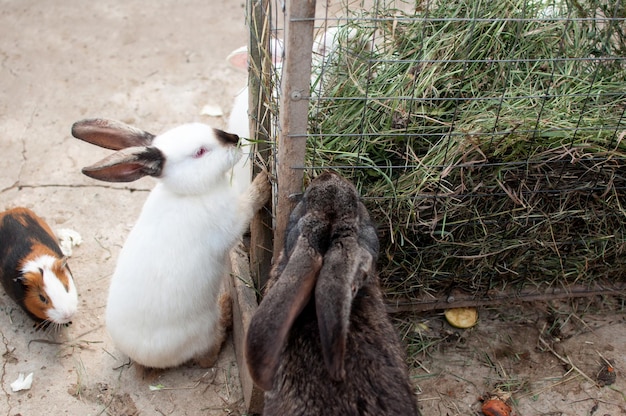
294, 108
247, 278
259, 88
244, 304
289, 159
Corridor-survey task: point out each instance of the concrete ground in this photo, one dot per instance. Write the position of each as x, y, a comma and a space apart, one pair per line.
151, 64
158, 64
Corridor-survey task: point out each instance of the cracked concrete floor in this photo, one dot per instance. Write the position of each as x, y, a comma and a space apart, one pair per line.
155, 65
152, 64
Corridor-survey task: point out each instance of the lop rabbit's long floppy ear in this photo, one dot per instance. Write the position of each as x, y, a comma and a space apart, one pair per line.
278, 310
346, 265
110, 134
127, 165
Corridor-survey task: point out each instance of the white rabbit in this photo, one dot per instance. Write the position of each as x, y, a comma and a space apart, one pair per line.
238, 120
325, 47
238, 124
163, 306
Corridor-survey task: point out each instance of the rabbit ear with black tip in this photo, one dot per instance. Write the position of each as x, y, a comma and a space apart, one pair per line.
127, 165
346, 265
278, 310
110, 134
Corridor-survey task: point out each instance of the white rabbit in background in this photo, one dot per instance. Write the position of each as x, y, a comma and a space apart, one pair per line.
238, 120
325, 46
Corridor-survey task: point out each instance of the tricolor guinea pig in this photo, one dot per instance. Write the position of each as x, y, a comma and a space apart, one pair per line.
33, 270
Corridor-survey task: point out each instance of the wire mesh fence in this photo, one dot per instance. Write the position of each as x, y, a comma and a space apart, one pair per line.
486, 138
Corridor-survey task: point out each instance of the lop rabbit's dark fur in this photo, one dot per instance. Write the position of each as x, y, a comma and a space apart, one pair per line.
321, 341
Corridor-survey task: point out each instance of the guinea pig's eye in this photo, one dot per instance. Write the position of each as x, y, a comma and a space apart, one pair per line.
43, 299
41, 271
200, 152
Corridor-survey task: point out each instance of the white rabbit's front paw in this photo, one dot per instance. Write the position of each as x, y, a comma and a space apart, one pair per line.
260, 190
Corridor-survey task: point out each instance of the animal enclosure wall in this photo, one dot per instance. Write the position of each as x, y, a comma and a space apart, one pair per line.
486, 138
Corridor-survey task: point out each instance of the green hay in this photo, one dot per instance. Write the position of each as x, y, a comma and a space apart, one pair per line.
488, 149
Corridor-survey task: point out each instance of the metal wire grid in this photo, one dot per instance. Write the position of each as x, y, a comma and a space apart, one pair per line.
598, 173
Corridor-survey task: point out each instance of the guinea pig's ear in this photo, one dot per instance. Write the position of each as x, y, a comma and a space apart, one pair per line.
278, 310
110, 134
128, 165
346, 265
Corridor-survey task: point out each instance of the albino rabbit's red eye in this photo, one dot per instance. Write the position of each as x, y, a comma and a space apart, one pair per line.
200, 152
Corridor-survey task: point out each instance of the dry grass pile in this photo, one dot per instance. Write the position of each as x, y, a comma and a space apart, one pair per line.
486, 139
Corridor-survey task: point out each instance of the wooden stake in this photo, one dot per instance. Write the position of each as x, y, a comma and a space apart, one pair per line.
294, 109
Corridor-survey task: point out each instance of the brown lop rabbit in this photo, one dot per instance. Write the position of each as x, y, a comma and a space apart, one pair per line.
321, 342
